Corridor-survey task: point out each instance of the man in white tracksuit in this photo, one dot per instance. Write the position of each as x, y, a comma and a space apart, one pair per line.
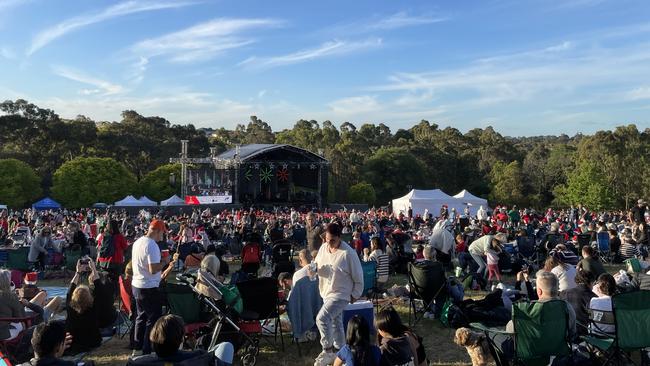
340, 282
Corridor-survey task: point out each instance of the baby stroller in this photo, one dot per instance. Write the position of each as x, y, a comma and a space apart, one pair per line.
207, 337
282, 257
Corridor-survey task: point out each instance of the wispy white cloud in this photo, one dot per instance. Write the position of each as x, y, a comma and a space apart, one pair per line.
101, 86
532, 75
566, 4
402, 20
640, 93
355, 105
203, 41
382, 23
327, 49
121, 9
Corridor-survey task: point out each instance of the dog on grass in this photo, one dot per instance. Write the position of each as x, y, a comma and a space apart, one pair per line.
475, 344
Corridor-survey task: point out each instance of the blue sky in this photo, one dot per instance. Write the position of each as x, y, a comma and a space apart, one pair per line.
524, 67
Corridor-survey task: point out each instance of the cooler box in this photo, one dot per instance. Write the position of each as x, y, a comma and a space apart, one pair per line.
362, 308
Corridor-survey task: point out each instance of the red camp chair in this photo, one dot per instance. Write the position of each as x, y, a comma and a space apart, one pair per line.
126, 308
8, 346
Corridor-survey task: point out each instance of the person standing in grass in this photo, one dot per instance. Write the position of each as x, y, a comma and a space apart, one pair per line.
340, 282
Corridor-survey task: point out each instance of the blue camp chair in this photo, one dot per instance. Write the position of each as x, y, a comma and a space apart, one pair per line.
369, 276
602, 238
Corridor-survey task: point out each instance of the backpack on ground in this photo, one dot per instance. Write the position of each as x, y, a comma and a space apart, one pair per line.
107, 249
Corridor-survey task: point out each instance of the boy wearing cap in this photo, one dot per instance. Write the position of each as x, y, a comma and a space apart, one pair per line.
147, 267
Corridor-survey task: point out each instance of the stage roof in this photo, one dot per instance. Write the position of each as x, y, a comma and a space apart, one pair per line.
251, 151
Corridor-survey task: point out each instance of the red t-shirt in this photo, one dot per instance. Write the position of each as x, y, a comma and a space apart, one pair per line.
120, 243
460, 246
357, 244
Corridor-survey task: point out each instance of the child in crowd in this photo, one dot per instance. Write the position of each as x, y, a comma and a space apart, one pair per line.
493, 263
460, 244
419, 253
358, 350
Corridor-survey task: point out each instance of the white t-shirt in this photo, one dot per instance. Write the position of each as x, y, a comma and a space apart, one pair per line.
603, 303
300, 274
145, 252
566, 276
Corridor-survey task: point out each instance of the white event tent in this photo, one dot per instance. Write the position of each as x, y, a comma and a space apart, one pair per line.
128, 201
173, 201
466, 197
433, 199
145, 201
419, 200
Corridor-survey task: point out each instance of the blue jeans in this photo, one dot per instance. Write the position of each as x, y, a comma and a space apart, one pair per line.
148, 302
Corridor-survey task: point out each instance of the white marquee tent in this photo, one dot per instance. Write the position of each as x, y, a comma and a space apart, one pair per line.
466, 197
173, 201
419, 200
128, 201
145, 201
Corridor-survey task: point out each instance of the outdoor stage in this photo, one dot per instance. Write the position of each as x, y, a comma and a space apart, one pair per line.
261, 175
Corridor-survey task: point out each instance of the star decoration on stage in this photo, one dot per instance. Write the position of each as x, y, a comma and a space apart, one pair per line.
266, 174
271, 165
285, 166
257, 165
248, 174
312, 166
283, 175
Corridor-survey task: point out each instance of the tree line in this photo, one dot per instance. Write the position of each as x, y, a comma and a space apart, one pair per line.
369, 163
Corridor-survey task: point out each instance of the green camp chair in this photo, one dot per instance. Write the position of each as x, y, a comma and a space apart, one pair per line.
17, 259
540, 331
71, 258
183, 302
632, 319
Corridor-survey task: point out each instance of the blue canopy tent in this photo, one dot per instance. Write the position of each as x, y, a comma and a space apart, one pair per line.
46, 204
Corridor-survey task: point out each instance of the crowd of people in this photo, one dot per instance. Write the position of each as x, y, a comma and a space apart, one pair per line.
142, 249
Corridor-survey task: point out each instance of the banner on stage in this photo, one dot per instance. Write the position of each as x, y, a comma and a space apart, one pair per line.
207, 200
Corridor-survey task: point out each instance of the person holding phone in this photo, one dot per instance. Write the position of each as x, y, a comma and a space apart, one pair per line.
82, 319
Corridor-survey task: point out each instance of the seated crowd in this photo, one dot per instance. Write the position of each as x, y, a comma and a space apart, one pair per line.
140, 253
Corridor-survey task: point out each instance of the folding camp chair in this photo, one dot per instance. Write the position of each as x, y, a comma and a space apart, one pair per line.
602, 238
71, 258
427, 283
282, 257
183, 302
126, 315
541, 330
260, 298
631, 311
369, 273
8, 347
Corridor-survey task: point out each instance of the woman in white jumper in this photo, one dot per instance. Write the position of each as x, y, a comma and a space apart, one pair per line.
340, 282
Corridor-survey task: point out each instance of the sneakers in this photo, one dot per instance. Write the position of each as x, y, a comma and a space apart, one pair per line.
429, 315
325, 359
136, 353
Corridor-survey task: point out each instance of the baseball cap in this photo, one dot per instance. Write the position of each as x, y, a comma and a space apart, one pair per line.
158, 225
